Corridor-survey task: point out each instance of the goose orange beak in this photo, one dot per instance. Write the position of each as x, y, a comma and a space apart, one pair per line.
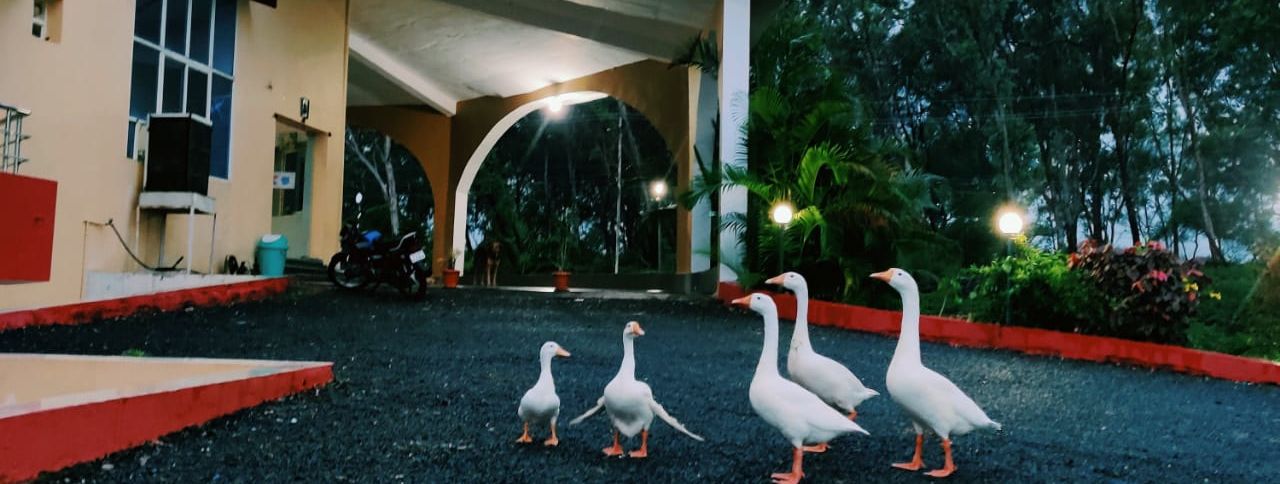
885, 276
562, 353
743, 301
637, 330
775, 280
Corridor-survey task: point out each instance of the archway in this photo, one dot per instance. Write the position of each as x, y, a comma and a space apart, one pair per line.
571, 189
462, 192
397, 192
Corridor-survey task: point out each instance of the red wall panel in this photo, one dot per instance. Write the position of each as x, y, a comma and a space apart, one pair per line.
27, 207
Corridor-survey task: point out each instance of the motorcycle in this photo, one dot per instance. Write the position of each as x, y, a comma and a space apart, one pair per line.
367, 259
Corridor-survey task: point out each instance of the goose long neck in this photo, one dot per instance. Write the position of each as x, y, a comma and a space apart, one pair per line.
800, 336
545, 377
768, 364
628, 368
909, 338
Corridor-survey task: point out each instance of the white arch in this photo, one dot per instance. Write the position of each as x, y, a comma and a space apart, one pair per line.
460, 195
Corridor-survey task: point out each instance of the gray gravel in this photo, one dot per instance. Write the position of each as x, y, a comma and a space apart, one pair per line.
427, 392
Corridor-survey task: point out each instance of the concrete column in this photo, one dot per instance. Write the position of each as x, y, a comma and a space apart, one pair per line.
703, 100
735, 61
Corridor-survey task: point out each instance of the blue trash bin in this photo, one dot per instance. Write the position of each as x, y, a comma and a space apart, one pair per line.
271, 254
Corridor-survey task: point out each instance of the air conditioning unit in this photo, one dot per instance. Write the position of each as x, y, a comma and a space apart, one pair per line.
177, 154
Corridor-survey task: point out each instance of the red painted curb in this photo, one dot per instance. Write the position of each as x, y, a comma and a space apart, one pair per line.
163, 301
56, 438
957, 332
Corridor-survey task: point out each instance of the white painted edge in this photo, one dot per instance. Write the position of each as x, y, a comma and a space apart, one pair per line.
400, 74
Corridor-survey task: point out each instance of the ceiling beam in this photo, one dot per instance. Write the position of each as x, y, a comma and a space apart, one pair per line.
657, 39
400, 74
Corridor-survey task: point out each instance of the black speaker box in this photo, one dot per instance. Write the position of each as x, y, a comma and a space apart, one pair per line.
178, 154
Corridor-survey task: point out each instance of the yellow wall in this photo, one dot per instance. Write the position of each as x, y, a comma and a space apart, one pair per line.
78, 91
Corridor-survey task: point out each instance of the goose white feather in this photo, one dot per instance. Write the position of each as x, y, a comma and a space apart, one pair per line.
540, 405
629, 402
929, 399
801, 417
828, 379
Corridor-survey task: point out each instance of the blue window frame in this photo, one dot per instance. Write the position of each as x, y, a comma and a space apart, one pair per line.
183, 62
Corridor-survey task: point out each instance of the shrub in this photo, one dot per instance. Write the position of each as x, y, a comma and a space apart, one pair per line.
1150, 294
1244, 319
1039, 288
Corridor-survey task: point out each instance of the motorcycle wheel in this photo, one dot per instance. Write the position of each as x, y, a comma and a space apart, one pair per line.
416, 285
346, 273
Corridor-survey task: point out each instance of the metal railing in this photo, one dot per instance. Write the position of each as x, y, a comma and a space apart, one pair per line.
11, 137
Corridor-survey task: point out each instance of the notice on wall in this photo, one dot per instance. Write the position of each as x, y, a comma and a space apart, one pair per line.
284, 180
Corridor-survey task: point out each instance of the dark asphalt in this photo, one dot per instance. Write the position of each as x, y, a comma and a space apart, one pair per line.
427, 392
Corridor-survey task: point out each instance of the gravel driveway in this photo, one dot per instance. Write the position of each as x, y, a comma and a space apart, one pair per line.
427, 392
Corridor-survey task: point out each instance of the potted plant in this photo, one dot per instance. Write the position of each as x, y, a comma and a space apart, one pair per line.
561, 275
451, 274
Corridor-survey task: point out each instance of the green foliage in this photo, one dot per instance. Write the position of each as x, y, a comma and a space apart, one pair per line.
1150, 293
1039, 288
1243, 317
134, 352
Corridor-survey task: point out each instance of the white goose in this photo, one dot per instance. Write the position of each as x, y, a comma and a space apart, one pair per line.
541, 405
801, 416
825, 377
629, 402
930, 400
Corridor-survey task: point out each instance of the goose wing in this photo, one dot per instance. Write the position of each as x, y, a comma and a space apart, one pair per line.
666, 417
589, 413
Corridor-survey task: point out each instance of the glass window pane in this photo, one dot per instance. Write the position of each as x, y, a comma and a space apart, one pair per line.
146, 19
173, 74
224, 36
201, 16
197, 86
220, 115
175, 26
128, 146
142, 93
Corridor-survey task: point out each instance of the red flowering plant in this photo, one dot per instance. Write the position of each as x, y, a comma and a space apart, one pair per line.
1151, 293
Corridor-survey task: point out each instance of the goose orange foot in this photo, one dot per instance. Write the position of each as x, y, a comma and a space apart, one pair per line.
793, 477
553, 441
853, 414
616, 449
917, 461
787, 478
524, 438
643, 451
947, 468
816, 449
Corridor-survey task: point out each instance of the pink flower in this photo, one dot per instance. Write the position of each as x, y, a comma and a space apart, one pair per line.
1155, 244
1158, 275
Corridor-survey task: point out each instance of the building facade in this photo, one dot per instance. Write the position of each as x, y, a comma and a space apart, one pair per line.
89, 72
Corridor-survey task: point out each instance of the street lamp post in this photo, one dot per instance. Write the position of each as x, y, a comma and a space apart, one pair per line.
781, 213
658, 189
1010, 224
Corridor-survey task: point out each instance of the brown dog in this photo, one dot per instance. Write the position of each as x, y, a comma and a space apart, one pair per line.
488, 258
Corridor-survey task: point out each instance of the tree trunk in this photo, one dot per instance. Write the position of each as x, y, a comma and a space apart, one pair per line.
1126, 193
1124, 132
393, 200
1202, 185
617, 207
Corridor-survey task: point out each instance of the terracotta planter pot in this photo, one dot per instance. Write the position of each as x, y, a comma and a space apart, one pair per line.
450, 278
562, 281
